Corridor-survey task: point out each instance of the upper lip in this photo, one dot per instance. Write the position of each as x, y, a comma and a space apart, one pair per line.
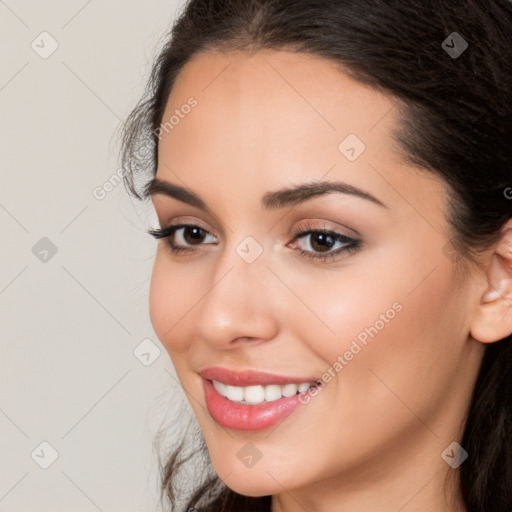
249, 377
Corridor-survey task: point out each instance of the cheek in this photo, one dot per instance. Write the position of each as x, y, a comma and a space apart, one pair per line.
398, 325
394, 299
397, 349
357, 302
171, 299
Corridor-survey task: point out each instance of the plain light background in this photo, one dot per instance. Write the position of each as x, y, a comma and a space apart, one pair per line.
71, 321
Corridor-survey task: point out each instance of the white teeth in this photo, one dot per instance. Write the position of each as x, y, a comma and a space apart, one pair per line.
234, 393
289, 390
272, 392
303, 387
253, 395
220, 387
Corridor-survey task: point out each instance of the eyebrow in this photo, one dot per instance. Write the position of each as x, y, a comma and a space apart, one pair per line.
270, 201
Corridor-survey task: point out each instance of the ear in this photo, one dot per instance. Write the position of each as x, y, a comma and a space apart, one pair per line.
493, 318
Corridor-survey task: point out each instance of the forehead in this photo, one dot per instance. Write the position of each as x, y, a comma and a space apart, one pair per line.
266, 119
280, 86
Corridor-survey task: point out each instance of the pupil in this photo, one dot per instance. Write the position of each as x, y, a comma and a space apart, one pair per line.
198, 234
322, 237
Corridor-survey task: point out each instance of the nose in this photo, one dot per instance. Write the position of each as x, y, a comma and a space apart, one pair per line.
238, 304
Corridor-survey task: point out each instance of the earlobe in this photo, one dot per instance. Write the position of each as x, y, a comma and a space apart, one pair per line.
493, 319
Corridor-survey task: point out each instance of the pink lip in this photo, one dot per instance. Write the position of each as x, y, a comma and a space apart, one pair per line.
239, 416
247, 417
249, 377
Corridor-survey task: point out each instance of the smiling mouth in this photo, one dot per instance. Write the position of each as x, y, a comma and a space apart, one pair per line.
253, 400
246, 407
257, 394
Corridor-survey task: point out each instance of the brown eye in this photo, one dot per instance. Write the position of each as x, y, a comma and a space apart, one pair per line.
322, 241
192, 234
182, 237
324, 244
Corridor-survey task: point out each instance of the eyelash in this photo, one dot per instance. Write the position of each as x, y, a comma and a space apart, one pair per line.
352, 245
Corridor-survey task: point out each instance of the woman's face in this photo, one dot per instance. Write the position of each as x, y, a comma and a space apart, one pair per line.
385, 302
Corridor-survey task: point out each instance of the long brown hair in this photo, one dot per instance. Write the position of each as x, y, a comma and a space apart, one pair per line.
457, 124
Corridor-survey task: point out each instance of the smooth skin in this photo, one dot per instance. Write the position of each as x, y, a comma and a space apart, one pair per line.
372, 438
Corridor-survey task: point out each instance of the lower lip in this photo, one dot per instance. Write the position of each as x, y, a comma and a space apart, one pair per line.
239, 416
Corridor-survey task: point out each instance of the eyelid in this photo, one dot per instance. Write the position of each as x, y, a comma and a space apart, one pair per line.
350, 244
188, 220
324, 226
301, 229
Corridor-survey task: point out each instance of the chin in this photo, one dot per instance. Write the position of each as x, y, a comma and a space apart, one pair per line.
253, 481
246, 484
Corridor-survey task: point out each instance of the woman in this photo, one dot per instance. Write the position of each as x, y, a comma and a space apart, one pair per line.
333, 281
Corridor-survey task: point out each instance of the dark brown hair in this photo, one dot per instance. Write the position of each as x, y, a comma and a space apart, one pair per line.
456, 123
